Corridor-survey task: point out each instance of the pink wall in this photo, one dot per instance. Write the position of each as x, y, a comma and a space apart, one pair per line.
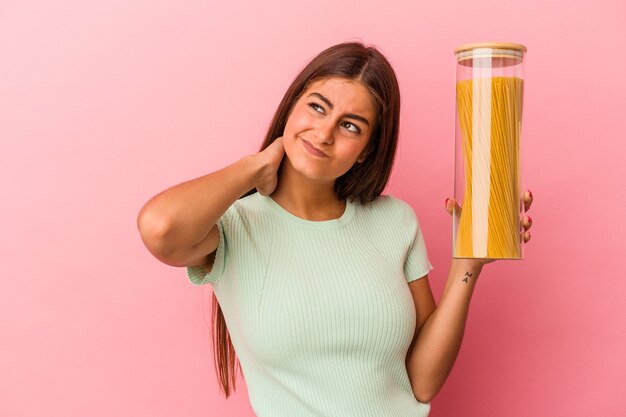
104, 104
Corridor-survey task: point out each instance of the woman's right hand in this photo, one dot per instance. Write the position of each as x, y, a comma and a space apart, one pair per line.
270, 159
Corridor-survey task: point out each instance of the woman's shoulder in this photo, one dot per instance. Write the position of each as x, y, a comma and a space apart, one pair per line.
243, 208
249, 201
389, 208
388, 204
388, 216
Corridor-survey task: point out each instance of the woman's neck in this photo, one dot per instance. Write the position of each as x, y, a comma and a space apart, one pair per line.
306, 198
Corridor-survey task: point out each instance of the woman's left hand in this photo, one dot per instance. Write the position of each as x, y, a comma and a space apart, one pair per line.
527, 221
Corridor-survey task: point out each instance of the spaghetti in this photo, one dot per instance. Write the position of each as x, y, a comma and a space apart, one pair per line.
490, 114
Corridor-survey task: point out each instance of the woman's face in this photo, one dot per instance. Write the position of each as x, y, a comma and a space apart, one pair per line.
328, 128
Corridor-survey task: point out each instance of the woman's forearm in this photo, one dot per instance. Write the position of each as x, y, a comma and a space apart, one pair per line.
182, 215
439, 340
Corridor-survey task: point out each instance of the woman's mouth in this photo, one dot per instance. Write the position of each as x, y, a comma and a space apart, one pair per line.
313, 150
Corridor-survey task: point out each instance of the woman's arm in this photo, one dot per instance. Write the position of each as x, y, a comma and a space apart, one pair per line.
439, 340
174, 222
437, 343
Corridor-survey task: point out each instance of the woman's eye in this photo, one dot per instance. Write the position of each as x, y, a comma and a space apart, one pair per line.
316, 107
351, 127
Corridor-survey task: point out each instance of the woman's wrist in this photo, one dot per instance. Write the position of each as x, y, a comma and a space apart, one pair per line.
470, 265
252, 168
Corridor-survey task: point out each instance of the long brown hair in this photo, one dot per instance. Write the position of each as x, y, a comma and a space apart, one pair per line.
364, 182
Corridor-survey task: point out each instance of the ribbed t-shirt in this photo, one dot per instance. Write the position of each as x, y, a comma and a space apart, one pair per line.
320, 312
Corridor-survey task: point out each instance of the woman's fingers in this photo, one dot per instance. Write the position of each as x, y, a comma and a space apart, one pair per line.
450, 206
527, 222
528, 200
270, 158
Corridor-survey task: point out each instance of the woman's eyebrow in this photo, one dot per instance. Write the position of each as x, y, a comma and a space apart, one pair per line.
349, 115
324, 99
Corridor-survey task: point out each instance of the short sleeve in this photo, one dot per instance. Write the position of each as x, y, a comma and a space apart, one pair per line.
197, 274
416, 264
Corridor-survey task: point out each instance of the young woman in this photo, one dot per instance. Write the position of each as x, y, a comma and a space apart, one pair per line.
322, 281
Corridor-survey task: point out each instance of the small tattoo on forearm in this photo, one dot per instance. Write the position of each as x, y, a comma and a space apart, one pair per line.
467, 276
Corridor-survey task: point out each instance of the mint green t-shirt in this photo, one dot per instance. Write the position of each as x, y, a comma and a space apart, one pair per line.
320, 312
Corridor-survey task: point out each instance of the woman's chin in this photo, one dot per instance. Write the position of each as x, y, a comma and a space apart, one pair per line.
313, 173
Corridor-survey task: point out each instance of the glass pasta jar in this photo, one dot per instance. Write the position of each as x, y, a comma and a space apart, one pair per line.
487, 171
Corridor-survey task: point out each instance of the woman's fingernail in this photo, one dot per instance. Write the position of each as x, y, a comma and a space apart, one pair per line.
446, 203
530, 194
530, 219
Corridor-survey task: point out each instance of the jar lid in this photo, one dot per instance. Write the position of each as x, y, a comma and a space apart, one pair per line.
511, 53
493, 45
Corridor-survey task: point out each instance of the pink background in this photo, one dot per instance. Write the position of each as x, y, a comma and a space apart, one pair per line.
104, 104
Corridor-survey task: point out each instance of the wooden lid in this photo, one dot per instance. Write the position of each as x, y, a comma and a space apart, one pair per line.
493, 45
497, 54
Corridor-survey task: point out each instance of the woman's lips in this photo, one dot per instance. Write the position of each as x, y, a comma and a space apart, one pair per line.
313, 150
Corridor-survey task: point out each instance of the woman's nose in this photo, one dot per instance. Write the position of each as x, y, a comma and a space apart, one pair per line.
325, 132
